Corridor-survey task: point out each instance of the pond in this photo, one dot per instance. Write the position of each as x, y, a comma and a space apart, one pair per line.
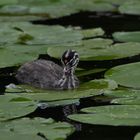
106, 34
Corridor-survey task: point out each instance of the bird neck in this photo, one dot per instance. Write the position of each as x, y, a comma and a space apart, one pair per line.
67, 81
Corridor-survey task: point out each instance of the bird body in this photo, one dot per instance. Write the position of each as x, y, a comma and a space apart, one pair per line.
46, 74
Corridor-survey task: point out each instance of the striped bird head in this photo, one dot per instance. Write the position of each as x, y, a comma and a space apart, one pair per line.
70, 59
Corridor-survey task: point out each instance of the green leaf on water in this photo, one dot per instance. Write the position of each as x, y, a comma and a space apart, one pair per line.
137, 137
9, 58
85, 72
114, 115
127, 36
100, 84
4, 2
10, 110
127, 93
50, 8
87, 33
127, 101
125, 75
36, 94
47, 127
15, 136
131, 7
99, 49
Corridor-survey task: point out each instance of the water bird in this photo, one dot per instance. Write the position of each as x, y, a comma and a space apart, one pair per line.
46, 74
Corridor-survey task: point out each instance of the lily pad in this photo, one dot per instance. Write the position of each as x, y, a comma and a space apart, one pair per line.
9, 58
10, 110
16, 136
100, 84
41, 34
87, 33
125, 75
8, 2
137, 137
89, 49
114, 115
20, 18
127, 36
130, 7
50, 8
122, 93
85, 72
61, 95
99, 49
127, 101
46, 127
32, 93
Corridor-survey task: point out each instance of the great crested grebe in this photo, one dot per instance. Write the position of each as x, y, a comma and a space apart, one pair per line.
46, 74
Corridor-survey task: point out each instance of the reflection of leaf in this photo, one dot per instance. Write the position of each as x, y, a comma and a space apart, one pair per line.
115, 115
126, 75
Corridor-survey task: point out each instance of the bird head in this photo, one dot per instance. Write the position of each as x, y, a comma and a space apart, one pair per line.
70, 59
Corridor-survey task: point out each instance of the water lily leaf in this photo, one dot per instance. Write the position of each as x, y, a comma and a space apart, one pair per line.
84, 72
90, 5
9, 58
100, 84
7, 98
99, 49
36, 94
127, 36
9, 110
137, 137
122, 93
61, 95
87, 51
114, 115
130, 7
23, 18
59, 103
125, 75
47, 127
87, 33
50, 8
126, 97
39, 34
127, 101
16, 136
8, 2
14, 9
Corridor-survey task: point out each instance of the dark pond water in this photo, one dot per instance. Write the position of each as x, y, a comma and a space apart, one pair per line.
110, 22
